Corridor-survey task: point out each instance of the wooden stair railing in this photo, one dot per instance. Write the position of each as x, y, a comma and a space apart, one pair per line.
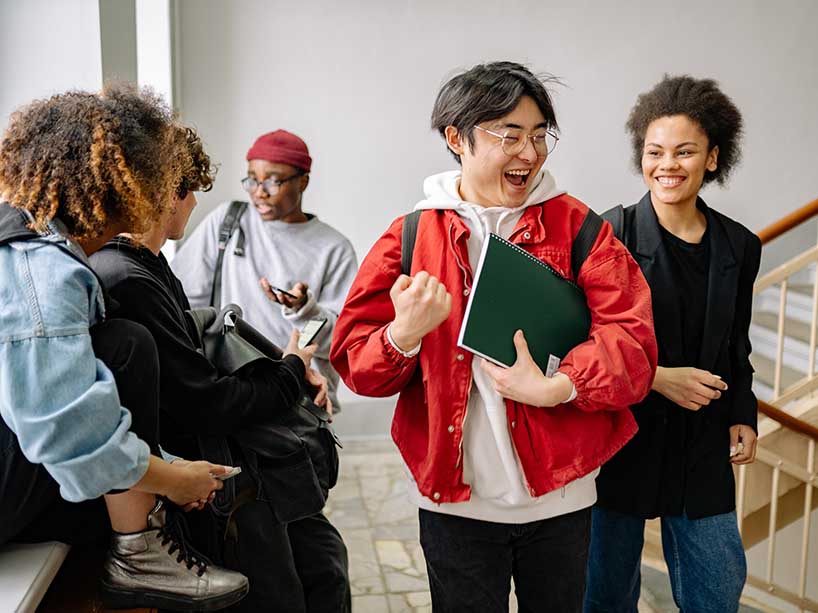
781, 467
787, 420
787, 223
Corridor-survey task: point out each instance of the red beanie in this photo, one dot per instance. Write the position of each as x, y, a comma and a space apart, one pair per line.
281, 147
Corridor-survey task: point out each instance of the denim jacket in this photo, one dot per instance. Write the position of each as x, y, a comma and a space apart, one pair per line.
59, 400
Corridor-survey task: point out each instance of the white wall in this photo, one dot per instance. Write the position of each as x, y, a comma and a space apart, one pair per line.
45, 48
357, 81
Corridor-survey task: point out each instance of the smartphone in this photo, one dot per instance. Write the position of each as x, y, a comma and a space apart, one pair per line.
278, 290
310, 331
228, 475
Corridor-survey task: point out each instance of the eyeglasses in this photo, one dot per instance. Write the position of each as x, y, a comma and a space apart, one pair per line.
270, 186
514, 140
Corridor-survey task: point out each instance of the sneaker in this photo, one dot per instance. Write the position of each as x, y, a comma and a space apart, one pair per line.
156, 568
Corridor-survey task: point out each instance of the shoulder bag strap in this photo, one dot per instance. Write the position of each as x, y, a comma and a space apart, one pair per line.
407, 245
229, 224
584, 241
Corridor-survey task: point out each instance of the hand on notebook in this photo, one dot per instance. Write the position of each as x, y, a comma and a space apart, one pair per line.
421, 305
525, 382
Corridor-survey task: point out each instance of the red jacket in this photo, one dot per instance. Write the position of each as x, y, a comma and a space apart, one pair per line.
610, 371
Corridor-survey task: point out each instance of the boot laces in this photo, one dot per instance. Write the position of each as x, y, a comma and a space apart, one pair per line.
175, 532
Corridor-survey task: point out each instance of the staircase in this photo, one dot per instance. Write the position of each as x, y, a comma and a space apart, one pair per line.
776, 502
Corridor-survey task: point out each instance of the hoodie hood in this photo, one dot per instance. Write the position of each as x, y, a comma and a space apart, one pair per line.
443, 191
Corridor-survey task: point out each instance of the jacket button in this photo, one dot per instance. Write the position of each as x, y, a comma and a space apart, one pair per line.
460, 357
527, 235
436, 495
450, 428
514, 424
466, 292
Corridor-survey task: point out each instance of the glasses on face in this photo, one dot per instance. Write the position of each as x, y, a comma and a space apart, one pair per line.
514, 140
270, 186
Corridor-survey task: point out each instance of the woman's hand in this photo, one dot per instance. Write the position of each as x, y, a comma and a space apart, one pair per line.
742, 444
690, 388
194, 482
305, 354
525, 382
197, 505
319, 383
421, 305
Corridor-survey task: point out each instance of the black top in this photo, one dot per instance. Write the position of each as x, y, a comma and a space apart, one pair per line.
691, 263
194, 399
702, 295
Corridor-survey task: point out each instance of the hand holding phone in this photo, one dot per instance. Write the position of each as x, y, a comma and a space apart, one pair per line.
228, 475
310, 331
278, 290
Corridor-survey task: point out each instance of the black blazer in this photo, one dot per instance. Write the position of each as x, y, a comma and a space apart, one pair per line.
679, 459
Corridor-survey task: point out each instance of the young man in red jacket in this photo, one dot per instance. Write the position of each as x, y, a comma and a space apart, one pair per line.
501, 462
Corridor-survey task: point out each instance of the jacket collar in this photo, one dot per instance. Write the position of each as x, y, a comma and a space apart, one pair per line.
722, 280
722, 288
14, 224
14, 227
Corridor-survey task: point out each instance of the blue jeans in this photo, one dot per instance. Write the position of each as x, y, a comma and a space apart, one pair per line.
705, 558
471, 563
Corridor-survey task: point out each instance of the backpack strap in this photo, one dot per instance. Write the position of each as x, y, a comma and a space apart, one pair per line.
407, 244
584, 241
616, 217
229, 225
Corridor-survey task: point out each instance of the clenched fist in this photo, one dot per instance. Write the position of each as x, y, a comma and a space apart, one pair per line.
421, 305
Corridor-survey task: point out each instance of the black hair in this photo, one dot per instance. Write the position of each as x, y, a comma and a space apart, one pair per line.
486, 92
703, 102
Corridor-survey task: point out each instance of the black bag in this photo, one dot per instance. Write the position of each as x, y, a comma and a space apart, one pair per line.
298, 443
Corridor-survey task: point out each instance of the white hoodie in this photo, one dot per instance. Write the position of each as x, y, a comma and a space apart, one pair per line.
490, 464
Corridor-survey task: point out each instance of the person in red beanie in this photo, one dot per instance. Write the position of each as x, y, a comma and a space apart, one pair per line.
275, 243
283, 266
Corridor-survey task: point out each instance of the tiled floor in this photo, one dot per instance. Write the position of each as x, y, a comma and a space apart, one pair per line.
370, 508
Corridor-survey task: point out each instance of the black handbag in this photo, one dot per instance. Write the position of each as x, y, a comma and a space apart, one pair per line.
295, 452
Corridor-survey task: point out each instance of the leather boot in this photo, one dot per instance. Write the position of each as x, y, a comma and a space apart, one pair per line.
157, 568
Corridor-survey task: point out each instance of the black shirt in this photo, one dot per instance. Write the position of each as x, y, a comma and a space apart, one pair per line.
690, 263
194, 399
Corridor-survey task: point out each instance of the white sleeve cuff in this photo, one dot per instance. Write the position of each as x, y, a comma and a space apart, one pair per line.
407, 354
308, 306
573, 394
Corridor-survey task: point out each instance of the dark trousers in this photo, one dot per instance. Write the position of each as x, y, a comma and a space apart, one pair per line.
31, 509
471, 563
299, 567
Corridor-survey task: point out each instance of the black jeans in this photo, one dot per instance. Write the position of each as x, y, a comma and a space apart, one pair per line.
298, 567
31, 509
471, 563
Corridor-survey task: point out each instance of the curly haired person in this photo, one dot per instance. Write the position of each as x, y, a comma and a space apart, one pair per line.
78, 391
699, 420
294, 558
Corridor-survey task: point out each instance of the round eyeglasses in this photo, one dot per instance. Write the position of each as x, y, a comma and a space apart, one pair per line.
271, 186
514, 140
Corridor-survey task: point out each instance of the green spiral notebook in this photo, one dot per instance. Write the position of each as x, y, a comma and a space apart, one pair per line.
513, 291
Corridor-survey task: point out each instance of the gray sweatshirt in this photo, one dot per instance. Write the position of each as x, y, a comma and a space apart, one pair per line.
285, 253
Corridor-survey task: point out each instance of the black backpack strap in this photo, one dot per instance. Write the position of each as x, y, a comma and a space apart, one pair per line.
584, 241
407, 244
616, 217
229, 224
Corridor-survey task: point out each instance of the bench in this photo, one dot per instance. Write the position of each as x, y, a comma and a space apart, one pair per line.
26, 571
